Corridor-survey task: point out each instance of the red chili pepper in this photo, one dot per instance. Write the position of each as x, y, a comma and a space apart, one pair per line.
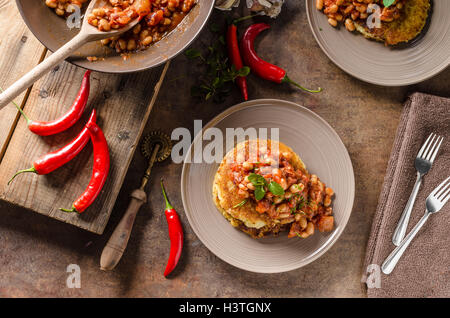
53, 160
175, 234
66, 121
260, 67
235, 58
99, 171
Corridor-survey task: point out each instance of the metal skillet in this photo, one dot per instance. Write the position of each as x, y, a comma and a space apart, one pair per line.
53, 32
87, 34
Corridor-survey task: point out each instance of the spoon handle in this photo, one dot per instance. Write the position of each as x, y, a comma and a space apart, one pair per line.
391, 261
37, 72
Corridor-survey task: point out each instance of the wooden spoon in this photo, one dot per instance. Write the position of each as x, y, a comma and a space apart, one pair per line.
88, 33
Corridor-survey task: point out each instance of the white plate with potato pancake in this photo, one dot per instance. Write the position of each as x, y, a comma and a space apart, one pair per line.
373, 62
323, 153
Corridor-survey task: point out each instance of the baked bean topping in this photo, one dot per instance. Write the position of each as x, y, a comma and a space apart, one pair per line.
159, 17
357, 10
306, 201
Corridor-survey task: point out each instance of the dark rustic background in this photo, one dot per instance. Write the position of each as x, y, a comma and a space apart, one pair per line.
36, 250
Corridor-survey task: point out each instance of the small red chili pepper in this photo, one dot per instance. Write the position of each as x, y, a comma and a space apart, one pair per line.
175, 234
66, 121
99, 171
260, 67
56, 159
235, 57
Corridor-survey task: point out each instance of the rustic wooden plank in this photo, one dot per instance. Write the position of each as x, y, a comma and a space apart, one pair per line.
20, 52
123, 103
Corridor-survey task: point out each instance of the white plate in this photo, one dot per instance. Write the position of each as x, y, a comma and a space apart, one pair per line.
323, 153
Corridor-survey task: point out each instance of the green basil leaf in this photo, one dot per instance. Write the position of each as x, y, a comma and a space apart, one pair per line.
388, 3
259, 192
256, 179
240, 204
275, 188
253, 178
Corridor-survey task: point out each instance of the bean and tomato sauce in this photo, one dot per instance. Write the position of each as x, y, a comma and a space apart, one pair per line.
306, 201
158, 18
349, 11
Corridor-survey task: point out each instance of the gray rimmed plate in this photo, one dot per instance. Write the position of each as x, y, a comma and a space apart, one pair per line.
375, 63
324, 154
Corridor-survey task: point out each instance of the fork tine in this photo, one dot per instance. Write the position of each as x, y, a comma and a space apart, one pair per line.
440, 188
421, 151
429, 147
435, 149
445, 196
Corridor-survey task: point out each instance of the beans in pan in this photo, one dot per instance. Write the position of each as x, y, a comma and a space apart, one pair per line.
64, 7
159, 17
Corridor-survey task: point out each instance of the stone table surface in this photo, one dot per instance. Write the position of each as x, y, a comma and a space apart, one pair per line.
36, 250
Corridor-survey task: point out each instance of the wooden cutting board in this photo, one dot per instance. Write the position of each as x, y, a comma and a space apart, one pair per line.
123, 104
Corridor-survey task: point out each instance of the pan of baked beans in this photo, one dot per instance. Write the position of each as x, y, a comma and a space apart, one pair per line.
168, 28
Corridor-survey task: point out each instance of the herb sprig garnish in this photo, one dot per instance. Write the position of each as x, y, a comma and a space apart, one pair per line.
300, 204
388, 3
217, 80
240, 204
260, 183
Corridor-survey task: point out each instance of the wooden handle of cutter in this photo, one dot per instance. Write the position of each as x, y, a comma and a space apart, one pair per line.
114, 249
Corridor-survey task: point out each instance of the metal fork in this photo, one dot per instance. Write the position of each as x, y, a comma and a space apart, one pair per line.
423, 163
435, 201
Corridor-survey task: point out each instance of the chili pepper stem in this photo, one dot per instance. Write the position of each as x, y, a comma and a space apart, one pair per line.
32, 169
247, 17
72, 210
19, 109
168, 205
286, 79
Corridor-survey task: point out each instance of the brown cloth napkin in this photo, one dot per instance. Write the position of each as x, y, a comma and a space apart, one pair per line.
424, 269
